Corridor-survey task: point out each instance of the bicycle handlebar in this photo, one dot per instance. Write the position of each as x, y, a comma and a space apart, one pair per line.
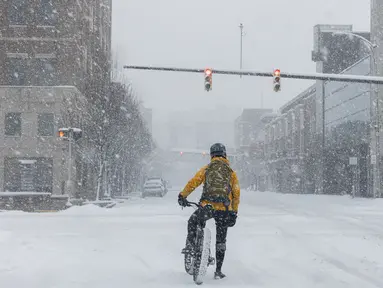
193, 203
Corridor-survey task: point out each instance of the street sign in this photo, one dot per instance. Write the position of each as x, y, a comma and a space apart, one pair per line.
353, 161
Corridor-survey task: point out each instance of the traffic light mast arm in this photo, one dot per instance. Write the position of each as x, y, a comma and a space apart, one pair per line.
307, 76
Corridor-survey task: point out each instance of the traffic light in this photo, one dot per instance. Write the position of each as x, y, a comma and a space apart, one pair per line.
63, 133
277, 80
67, 133
208, 79
77, 133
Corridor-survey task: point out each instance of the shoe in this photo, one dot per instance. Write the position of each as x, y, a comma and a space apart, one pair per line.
211, 261
219, 275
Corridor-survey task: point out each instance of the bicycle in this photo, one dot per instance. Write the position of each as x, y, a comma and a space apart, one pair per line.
198, 259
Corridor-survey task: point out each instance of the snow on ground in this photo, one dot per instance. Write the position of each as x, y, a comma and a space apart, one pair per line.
280, 241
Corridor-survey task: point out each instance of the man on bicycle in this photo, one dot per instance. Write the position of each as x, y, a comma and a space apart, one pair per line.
220, 190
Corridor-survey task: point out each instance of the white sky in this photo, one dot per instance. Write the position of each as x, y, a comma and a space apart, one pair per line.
279, 34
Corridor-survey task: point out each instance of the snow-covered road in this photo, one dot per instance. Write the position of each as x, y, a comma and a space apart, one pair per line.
280, 241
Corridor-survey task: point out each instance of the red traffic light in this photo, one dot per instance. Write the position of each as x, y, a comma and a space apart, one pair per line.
208, 79
63, 133
208, 72
277, 80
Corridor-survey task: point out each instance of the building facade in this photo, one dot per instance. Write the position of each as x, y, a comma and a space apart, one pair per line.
50, 52
290, 146
47, 42
347, 133
247, 126
200, 128
322, 141
33, 158
335, 49
249, 138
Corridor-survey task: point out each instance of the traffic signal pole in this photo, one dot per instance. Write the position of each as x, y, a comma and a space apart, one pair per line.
71, 135
69, 185
241, 48
307, 76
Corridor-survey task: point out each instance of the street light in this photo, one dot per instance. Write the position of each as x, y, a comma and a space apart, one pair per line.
240, 49
369, 43
375, 159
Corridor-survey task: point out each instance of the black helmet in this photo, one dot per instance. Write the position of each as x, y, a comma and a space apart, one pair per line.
218, 150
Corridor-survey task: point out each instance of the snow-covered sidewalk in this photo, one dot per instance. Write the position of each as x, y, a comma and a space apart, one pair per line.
280, 241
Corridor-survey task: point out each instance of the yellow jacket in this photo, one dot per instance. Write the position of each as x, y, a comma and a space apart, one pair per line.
199, 178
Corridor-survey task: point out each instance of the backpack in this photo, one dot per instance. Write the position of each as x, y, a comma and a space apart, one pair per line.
217, 183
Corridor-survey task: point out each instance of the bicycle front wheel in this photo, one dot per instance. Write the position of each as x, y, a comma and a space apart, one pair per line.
202, 253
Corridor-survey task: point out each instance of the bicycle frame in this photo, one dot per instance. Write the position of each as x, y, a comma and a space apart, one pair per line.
206, 215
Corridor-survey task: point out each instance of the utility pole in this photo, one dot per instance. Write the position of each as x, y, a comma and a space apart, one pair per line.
323, 151
69, 184
376, 161
241, 47
376, 38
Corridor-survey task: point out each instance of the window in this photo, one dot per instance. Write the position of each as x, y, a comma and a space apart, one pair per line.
44, 72
13, 124
16, 71
46, 124
17, 12
44, 175
28, 174
47, 13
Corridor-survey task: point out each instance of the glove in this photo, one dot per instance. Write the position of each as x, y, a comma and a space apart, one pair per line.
233, 214
231, 218
182, 201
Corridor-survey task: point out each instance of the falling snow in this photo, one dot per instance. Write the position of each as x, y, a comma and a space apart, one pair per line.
82, 138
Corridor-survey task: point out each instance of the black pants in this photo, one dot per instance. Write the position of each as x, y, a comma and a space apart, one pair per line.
220, 223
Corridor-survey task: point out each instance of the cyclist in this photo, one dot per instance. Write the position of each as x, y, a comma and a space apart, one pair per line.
221, 190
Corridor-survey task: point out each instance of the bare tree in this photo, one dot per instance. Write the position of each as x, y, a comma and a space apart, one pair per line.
115, 139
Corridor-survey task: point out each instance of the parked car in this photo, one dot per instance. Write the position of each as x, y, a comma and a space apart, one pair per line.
155, 186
